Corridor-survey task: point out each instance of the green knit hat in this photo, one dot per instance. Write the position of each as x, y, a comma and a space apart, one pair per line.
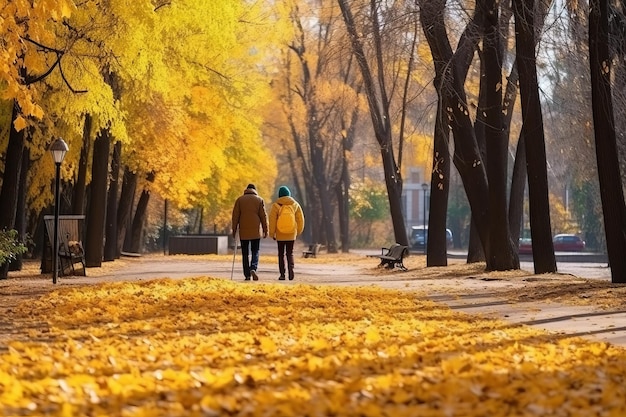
283, 191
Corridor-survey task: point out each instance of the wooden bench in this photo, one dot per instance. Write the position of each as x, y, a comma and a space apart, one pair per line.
313, 251
393, 256
70, 242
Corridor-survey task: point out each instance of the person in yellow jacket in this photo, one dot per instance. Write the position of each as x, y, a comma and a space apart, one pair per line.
286, 223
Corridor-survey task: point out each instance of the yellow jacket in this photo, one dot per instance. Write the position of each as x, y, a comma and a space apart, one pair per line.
273, 217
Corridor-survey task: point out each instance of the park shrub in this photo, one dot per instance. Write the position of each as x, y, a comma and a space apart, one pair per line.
10, 246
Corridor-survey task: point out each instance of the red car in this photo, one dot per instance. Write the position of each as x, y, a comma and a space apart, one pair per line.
568, 243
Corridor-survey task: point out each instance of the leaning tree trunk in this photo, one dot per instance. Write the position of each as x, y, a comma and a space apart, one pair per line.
467, 158
475, 251
534, 139
10, 181
516, 196
518, 178
127, 196
378, 104
518, 181
139, 220
611, 194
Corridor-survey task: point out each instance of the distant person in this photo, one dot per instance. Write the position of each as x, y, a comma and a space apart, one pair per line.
250, 219
286, 223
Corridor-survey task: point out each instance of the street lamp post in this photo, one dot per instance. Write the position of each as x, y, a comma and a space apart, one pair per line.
424, 187
58, 150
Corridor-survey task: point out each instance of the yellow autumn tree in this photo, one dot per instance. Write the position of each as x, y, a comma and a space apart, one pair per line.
205, 139
27, 26
191, 93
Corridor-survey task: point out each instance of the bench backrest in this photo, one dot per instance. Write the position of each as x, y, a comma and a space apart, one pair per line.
397, 251
70, 229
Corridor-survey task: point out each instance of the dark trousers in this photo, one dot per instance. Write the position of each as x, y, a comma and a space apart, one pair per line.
285, 247
250, 249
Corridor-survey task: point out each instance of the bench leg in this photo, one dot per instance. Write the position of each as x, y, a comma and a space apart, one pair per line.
82, 262
62, 265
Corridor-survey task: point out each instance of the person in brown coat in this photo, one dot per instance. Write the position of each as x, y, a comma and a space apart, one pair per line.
249, 218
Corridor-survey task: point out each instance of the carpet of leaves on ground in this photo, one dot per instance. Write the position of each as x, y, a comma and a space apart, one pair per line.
212, 347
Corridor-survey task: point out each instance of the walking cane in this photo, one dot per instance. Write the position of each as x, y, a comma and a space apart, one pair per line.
234, 254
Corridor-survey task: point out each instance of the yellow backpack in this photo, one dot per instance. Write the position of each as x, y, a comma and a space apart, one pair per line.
286, 222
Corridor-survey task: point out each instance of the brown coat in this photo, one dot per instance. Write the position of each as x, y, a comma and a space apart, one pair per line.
249, 216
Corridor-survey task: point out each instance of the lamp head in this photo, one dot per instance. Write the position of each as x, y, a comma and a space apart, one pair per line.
424, 186
58, 150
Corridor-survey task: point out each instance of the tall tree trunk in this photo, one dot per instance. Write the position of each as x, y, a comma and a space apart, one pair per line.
139, 220
343, 187
10, 181
136, 243
467, 158
518, 185
518, 181
437, 253
316, 149
110, 244
78, 197
20, 212
378, 102
502, 255
316, 146
97, 200
611, 194
534, 139
475, 251
96, 219
124, 208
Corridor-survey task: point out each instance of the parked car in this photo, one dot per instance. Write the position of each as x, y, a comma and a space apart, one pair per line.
419, 237
562, 243
568, 243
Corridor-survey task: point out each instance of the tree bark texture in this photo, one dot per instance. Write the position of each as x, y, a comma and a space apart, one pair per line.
125, 206
138, 222
110, 244
502, 255
466, 158
94, 240
10, 181
534, 139
20, 212
611, 194
80, 187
